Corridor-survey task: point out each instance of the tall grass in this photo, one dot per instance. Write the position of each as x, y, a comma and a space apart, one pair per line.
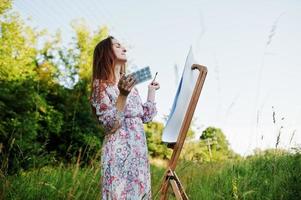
271, 176
268, 176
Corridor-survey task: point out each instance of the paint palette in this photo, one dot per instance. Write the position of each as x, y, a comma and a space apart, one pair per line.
142, 75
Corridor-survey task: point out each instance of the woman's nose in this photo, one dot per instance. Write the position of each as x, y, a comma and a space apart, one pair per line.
124, 50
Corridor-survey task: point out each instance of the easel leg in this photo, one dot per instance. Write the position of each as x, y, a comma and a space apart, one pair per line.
164, 186
176, 190
172, 179
180, 187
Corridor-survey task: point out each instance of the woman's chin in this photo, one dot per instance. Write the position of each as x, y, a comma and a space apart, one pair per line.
122, 60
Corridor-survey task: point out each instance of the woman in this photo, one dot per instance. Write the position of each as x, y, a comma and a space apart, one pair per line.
119, 109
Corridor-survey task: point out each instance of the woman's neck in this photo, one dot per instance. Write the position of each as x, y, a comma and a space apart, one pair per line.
117, 71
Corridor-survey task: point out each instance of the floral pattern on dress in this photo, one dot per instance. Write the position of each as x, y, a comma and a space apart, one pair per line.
124, 161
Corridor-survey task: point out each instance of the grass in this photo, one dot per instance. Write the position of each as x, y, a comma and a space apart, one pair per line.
260, 177
54, 183
276, 176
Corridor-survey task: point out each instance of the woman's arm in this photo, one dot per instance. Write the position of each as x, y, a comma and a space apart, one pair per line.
106, 112
120, 103
125, 85
149, 107
109, 115
152, 91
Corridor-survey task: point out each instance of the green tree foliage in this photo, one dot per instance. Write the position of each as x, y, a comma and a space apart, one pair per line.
42, 120
212, 146
156, 147
4, 6
84, 44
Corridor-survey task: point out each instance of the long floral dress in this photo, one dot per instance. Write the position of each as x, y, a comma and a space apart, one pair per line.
125, 165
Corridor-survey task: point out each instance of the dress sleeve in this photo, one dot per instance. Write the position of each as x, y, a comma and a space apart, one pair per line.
106, 112
149, 111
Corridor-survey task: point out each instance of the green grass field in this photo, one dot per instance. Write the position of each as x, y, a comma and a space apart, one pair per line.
275, 176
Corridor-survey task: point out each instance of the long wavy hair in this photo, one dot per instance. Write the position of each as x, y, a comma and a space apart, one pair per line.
103, 64
104, 61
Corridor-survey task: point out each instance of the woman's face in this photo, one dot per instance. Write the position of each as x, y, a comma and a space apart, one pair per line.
119, 50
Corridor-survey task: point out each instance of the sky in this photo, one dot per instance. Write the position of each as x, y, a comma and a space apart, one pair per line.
252, 50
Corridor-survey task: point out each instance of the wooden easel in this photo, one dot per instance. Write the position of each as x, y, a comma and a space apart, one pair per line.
170, 177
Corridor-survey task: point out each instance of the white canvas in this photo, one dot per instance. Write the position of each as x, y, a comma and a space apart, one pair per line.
181, 101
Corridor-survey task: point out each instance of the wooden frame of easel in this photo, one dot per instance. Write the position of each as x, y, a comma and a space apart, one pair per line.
170, 177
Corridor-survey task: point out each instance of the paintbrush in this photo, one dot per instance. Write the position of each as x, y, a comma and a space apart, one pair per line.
154, 77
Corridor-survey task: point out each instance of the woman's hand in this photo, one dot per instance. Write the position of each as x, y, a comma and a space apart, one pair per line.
126, 84
154, 86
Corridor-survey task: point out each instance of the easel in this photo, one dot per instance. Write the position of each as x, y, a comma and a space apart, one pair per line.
170, 176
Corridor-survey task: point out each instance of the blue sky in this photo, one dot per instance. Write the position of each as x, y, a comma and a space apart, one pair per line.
245, 75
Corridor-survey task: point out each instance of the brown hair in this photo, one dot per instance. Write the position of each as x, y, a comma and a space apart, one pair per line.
103, 61
103, 64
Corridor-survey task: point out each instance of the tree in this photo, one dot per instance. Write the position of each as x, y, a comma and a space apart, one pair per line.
22, 107
156, 147
212, 146
42, 120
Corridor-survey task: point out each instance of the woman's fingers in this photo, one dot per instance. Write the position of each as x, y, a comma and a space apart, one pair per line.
130, 78
123, 85
126, 84
155, 85
122, 78
122, 81
130, 84
131, 87
132, 81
